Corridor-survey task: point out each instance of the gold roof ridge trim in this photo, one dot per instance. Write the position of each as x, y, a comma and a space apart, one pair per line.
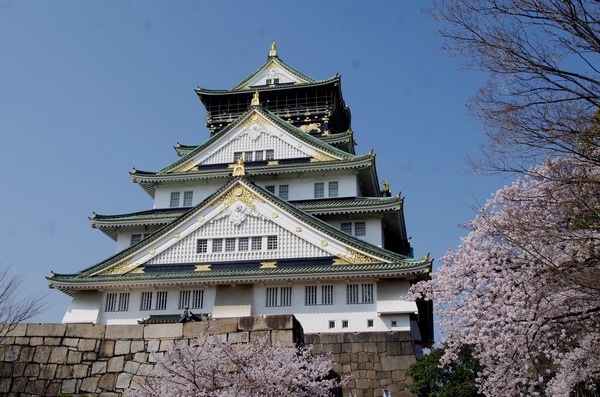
354, 258
239, 193
121, 268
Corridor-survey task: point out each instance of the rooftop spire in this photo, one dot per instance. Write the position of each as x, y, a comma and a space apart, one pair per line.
255, 101
273, 52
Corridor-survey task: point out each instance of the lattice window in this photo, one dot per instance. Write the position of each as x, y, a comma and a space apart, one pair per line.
258, 156
270, 188
270, 154
310, 295
201, 246
243, 243
344, 323
229, 244
327, 294
346, 227
146, 303
284, 192
136, 238
360, 228
188, 198
217, 245
256, 243
248, 157
333, 189
237, 155
184, 299
271, 242
319, 189
174, 199
161, 300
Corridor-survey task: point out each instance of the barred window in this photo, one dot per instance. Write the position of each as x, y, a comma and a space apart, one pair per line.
327, 294
258, 156
174, 199
271, 296
284, 191
188, 198
123, 301
197, 299
270, 154
344, 323
217, 245
346, 227
230, 244
256, 243
237, 155
310, 295
161, 300
136, 238
270, 188
111, 302
367, 293
360, 293
319, 189
247, 157
286, 296
333, 189
146, 303
271, 242
360, 228
184, 299
243, 244
352, 293
201, 246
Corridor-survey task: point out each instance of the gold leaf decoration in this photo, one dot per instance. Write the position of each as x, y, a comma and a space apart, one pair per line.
121, 268
355, 258
318, 156
268, 265
202, 268
240, 193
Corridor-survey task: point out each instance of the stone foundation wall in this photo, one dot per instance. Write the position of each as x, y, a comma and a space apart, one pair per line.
374, 360
101, 360
104, 360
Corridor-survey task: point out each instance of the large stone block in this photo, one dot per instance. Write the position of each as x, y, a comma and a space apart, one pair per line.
107, 382
14, 329
123, 380
107, 348
99, 367
115, 364
19, 384
37, 387
153, 331
284, 337
32, 370
69, 386
11, 353
132, 331
80, 370
47, 371
137, 346
238, 337
42, 354
87, 345
122, 347
46, 330
64, 372
74, 357
58, 355
192, 330
27, 353
89, 385
91, 331
131, 367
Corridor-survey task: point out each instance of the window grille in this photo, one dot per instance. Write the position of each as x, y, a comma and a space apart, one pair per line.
161, 300
187, 199
184, 299
284, 191
327, 294
123, 301
243, 244
270, 154
286, 296
360, 228
333, 189
230, 244
319, 189
237, 155
201, 246
146, 303
346, 227
344, 323
174, 200
271, 296
111, 302
136, 238
270, 188
352, 293
247, 157
310, 296
367, 293
217, 245
258, 156
331, 324
197, 299
256, 243
272, 242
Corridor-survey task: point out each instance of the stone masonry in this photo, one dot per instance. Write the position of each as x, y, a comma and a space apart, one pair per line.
104, 360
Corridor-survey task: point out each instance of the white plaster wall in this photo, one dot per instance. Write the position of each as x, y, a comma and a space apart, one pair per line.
301, 186
124, 237
202, 189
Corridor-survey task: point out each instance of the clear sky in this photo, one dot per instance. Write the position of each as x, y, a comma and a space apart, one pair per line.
89, 90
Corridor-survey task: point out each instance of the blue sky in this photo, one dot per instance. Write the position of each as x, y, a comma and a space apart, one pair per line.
89, 90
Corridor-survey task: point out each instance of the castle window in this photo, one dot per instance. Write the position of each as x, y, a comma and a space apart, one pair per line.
284, 191
270, 188
161, 300
146, 303
136, 238
276, 81
187, 199
174, 199
117, 302
333, 189
243, 244
359, 293
230, 244
111, 302
319, 189
272, 242
344, 323
367, 293
237, 155
283, 293
310, 295
217, 245
327, 294
394, 323
268, 81
331, 324
197, 299
123, 301
256, 243
360, 228
270, 154
369, 323
286, 296
258, 156
247, 157
271, 296
184, 299
346, 227
201, 246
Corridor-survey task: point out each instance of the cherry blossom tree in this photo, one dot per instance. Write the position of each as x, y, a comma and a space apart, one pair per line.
208, 366
523, 288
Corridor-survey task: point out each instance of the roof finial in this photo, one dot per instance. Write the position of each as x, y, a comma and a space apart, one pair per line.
238, 170
255, 101
273, 52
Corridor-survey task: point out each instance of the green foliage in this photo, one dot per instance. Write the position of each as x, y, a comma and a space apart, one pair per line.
456, 379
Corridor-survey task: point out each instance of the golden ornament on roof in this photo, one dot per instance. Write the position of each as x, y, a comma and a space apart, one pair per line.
255, 101
273, 51
238, 170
